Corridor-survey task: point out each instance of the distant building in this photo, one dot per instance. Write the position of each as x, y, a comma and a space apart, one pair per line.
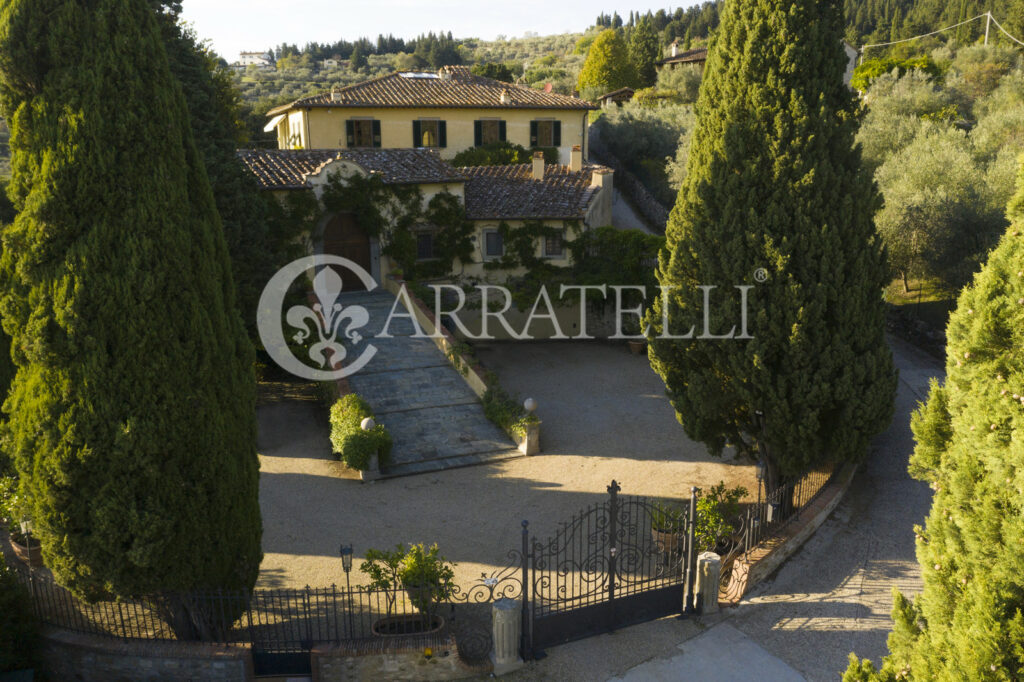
676, 56
260, 59
333, 63
616, 97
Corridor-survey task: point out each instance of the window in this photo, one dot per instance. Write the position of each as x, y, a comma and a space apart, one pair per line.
554, 246
545, 133
429, 133
362, 132
488, 131
424, 245
494, 244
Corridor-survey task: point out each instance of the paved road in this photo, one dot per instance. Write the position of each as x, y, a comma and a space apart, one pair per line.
835, 595
832, 597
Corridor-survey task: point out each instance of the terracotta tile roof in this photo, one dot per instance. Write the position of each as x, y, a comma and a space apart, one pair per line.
689, 57
288, 169
510, 192
453, 87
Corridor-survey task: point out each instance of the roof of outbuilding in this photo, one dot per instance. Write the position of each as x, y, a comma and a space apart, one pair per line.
699, 54
280, 169
452, 87
511, 192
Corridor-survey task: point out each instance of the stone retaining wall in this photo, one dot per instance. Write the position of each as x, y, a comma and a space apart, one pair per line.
72, 656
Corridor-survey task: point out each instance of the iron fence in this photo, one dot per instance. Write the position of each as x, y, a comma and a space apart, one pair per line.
277, 620
771, 514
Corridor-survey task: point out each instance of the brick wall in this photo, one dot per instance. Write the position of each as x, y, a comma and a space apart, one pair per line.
71, 656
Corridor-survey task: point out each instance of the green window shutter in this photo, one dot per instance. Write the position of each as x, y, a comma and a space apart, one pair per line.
478, 133
376, 133
556, 134
533, 133
350, 133
501, 131
442, 133
417, 134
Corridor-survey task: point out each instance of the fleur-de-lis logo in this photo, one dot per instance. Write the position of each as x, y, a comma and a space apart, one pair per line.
325, 319
325, 326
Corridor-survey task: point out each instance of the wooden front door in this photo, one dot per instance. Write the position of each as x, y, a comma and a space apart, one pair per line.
342, 237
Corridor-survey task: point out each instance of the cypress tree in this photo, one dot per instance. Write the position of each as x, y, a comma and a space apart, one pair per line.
643, 53
968, 622
216, 127
775, 187
131, 417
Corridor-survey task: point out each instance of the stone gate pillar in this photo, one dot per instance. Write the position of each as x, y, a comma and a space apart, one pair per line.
709, 572
507, 625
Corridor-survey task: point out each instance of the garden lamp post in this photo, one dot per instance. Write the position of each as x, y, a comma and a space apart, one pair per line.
346, 564
26, 532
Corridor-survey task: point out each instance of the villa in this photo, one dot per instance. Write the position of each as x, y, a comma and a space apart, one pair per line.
448, 111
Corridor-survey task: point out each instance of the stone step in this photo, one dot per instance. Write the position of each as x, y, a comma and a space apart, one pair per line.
427, 466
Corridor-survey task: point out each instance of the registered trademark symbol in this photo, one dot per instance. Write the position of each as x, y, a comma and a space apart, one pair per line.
761, 275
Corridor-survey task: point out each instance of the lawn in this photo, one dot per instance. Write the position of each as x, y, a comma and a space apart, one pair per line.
925, 301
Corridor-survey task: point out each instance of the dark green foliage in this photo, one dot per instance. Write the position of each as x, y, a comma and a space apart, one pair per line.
18, 628
132, 413
968, 622
7, 212
215, 117
616, 257
773, 181
643, 53
873, 21
499, 72
493, 154
502, 154
354, 446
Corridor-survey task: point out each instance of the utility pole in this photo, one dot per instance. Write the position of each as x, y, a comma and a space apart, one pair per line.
988, 24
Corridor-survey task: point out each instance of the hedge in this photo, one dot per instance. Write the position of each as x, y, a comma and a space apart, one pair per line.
350, 443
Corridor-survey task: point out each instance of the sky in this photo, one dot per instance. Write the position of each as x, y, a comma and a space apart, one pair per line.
233, 26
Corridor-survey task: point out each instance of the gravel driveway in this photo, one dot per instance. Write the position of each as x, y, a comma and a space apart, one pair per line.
604, 416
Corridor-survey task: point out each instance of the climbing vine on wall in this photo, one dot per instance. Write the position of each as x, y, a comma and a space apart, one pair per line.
395, 214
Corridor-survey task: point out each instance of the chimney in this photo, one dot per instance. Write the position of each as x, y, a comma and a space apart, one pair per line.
538, 165
336, 95
506, 97
576, 159
675, 48
602, 178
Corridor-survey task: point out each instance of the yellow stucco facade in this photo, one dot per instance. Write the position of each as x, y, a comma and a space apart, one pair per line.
324, 127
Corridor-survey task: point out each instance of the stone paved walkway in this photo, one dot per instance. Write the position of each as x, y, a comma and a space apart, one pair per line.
435, 419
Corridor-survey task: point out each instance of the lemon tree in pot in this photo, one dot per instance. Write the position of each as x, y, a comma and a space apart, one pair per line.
423, 574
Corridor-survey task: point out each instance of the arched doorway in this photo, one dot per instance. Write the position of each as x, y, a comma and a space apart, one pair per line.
342, 237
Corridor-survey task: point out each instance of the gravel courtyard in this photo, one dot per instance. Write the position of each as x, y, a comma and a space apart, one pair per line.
604, 414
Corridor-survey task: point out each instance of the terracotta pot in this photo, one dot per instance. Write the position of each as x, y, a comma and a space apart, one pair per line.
30, 553
410, 624
637, 347
670, 541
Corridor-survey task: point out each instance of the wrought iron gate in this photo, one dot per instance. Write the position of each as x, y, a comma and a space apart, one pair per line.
623, 561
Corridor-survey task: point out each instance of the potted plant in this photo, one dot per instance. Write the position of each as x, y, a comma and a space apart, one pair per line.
424, 575
19, 528
631, 327
718, 513
668, 526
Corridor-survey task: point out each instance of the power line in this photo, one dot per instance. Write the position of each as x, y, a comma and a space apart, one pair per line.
1000, 27
925, 35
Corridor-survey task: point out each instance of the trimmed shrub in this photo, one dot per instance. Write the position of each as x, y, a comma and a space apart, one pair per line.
354, 446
